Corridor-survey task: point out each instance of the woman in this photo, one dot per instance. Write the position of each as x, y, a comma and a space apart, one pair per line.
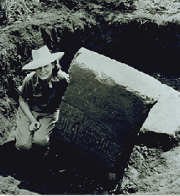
39, 101
40, 97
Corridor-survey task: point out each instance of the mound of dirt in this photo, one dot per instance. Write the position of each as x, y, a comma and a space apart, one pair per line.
152, 171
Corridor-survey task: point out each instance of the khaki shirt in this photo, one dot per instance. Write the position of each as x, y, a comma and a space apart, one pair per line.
43, 97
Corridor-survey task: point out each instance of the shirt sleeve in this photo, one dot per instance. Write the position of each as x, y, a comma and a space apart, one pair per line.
61, 74
26, 89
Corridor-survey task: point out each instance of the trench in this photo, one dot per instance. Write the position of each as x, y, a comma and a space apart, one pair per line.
148, 47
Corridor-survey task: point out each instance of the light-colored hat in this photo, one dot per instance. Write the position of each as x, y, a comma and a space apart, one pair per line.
42, 57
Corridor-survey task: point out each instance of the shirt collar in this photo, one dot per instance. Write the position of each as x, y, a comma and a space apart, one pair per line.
53, 79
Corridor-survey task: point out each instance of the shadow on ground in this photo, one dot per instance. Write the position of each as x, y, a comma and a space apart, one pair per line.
65, 173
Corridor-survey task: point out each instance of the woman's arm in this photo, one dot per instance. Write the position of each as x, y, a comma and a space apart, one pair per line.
25, 107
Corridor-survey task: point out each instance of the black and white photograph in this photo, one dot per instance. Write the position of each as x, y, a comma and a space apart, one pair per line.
89, 97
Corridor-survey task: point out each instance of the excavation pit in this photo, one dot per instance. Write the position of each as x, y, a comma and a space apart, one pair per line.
142, 44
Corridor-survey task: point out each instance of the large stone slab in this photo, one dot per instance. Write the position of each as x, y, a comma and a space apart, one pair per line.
164, 117
104, 106
162, 127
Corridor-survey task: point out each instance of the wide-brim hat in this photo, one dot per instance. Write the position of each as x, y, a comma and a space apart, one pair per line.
42, 57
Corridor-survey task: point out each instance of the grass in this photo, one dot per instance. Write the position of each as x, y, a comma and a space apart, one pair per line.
16, 10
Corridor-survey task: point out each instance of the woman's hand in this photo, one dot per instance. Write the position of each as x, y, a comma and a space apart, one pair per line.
34, 126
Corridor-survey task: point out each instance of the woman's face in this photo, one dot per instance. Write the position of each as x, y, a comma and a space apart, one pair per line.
45, 72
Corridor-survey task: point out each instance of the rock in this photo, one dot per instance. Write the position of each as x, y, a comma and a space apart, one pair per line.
112, 176
162, 127
36, 2
131, 188
104, 107
132, 172
164, 116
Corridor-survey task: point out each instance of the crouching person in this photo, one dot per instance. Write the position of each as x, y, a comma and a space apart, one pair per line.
39, 102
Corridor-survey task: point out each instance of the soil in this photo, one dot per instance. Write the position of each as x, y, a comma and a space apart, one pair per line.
106, 27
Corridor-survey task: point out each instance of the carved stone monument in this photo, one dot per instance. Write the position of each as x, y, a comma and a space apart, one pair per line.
103, 108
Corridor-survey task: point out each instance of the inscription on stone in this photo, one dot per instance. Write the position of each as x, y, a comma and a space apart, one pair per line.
70, 128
